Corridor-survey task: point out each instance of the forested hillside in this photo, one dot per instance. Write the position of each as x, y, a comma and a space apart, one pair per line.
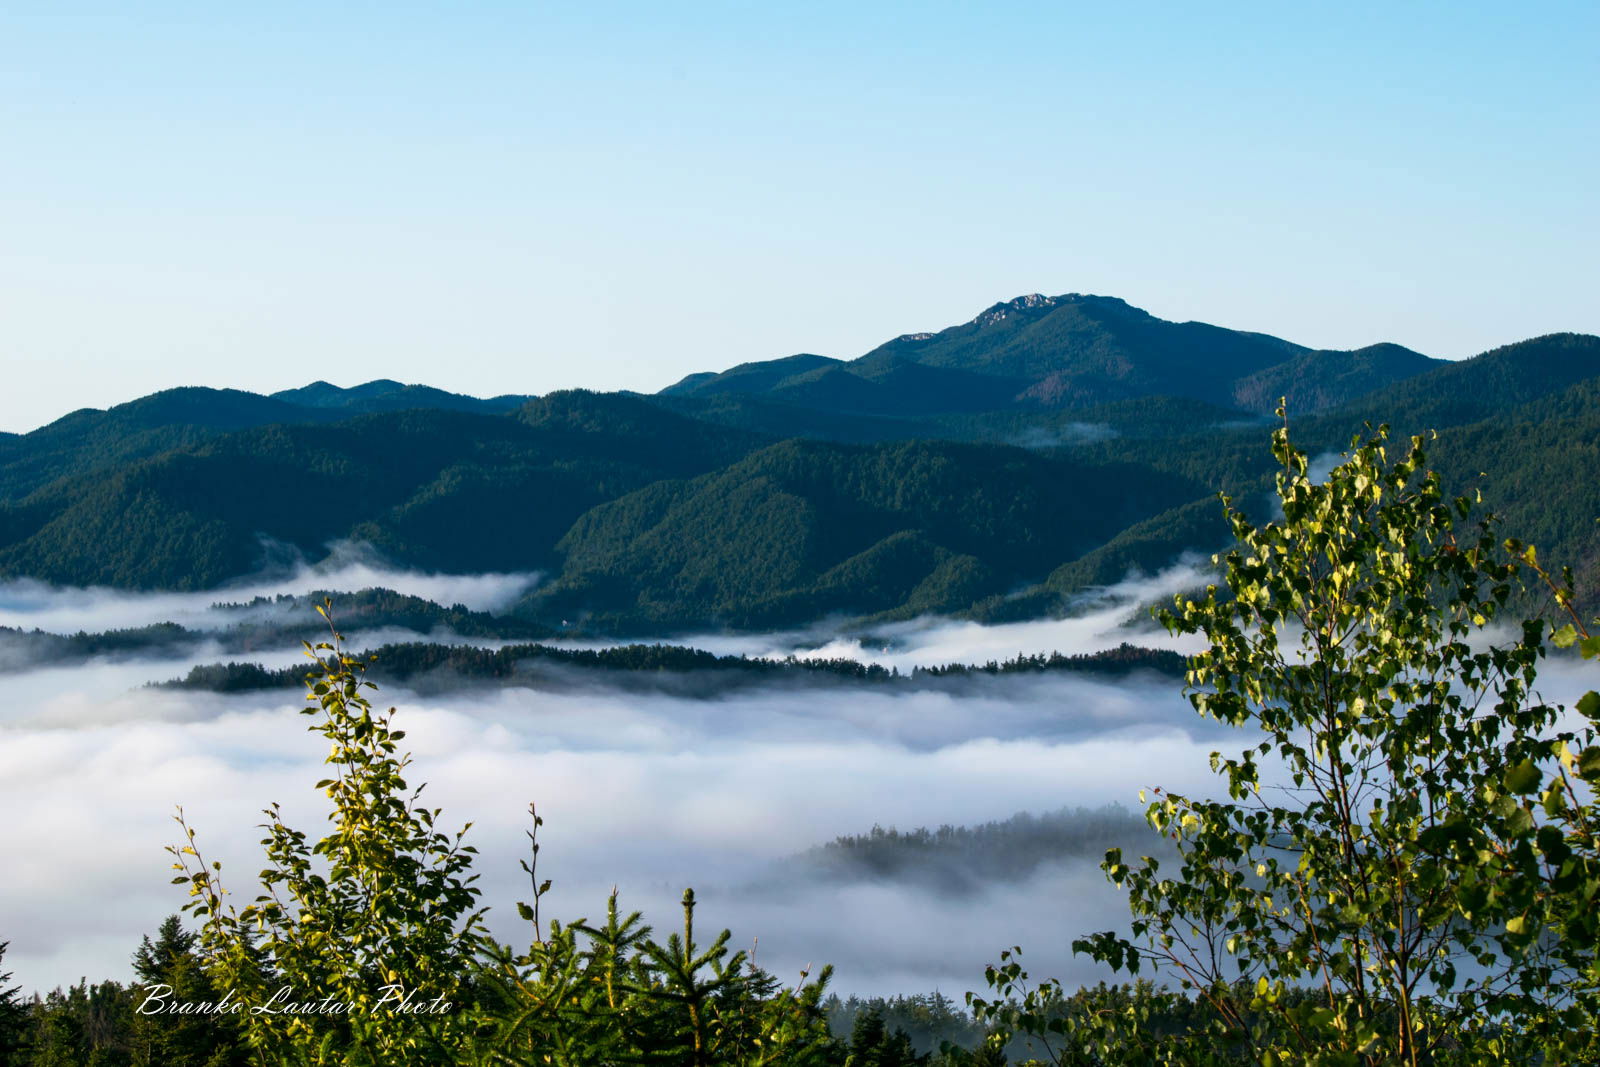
805, 529
674, 669
996, 469
1519, 422
1069, 351
436, 489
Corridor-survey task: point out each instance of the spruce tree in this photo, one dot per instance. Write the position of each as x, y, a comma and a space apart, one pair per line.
170, 971
13, 1016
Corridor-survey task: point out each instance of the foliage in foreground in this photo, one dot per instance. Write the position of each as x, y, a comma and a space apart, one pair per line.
101, 1025
380, 917
1401, 868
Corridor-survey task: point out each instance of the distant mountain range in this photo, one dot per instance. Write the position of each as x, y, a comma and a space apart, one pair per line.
1071, 351
996, 469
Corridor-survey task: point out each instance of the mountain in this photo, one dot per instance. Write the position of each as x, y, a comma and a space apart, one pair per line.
387, 395
1535, 465
760, 414
934, 474
1319, 381
750, 377
1139, 417
804, 529
1075, 350
1070, 351
1521, 423
437, 489
1484, 386
91, 439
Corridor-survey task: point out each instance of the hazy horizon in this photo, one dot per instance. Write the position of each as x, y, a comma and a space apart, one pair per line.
489, 391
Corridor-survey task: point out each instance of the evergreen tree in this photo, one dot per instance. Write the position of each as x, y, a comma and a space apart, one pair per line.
397, 912
873, 1044
84, 1026
13, 1016
171, 972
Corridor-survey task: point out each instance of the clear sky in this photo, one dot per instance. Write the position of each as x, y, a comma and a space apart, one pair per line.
519, 197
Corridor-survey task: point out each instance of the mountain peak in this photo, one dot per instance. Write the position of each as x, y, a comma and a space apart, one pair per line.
386, 394
1036, 301
1003, 310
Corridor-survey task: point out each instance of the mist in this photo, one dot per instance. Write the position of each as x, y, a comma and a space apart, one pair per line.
1103, 618
28, 604
1072, 433
647, 792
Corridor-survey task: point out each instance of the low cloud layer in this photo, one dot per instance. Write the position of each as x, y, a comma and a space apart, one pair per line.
1071, 433
27, 604
650, 793
647, 793
1105, 618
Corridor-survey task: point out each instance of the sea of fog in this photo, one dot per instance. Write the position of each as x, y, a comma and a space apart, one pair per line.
647, 793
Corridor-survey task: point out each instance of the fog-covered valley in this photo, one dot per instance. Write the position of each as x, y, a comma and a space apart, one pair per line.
740, 792
732, 792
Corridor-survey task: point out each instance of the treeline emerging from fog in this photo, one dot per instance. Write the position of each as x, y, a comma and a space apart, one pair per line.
427, 666
962, 859
262, 623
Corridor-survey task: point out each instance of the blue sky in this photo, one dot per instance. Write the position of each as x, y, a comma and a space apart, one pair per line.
502, 197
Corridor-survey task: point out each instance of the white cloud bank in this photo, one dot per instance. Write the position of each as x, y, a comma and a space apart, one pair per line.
1108, 617
28, 604
650, 793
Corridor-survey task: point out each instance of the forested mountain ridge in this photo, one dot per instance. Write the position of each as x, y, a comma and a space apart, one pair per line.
1486, 386
1520, 422
385, 394
718, 503
90, 439
1069, 351
804, 529
1320, 381
437, 489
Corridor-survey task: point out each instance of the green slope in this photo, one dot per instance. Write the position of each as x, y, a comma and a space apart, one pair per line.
685, 509
438, 489
385, 394
1069, 351
1078, 349
804, 529
1318, 381
746, 378
1536, 467
1520, 422
1484, 386
89, 439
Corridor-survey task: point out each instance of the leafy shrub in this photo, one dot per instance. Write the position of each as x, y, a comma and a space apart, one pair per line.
381, 920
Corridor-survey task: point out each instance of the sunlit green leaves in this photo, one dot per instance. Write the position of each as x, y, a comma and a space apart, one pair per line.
1523, 777
1357, 847
385, 898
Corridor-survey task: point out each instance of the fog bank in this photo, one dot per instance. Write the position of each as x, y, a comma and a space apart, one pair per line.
648, 793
